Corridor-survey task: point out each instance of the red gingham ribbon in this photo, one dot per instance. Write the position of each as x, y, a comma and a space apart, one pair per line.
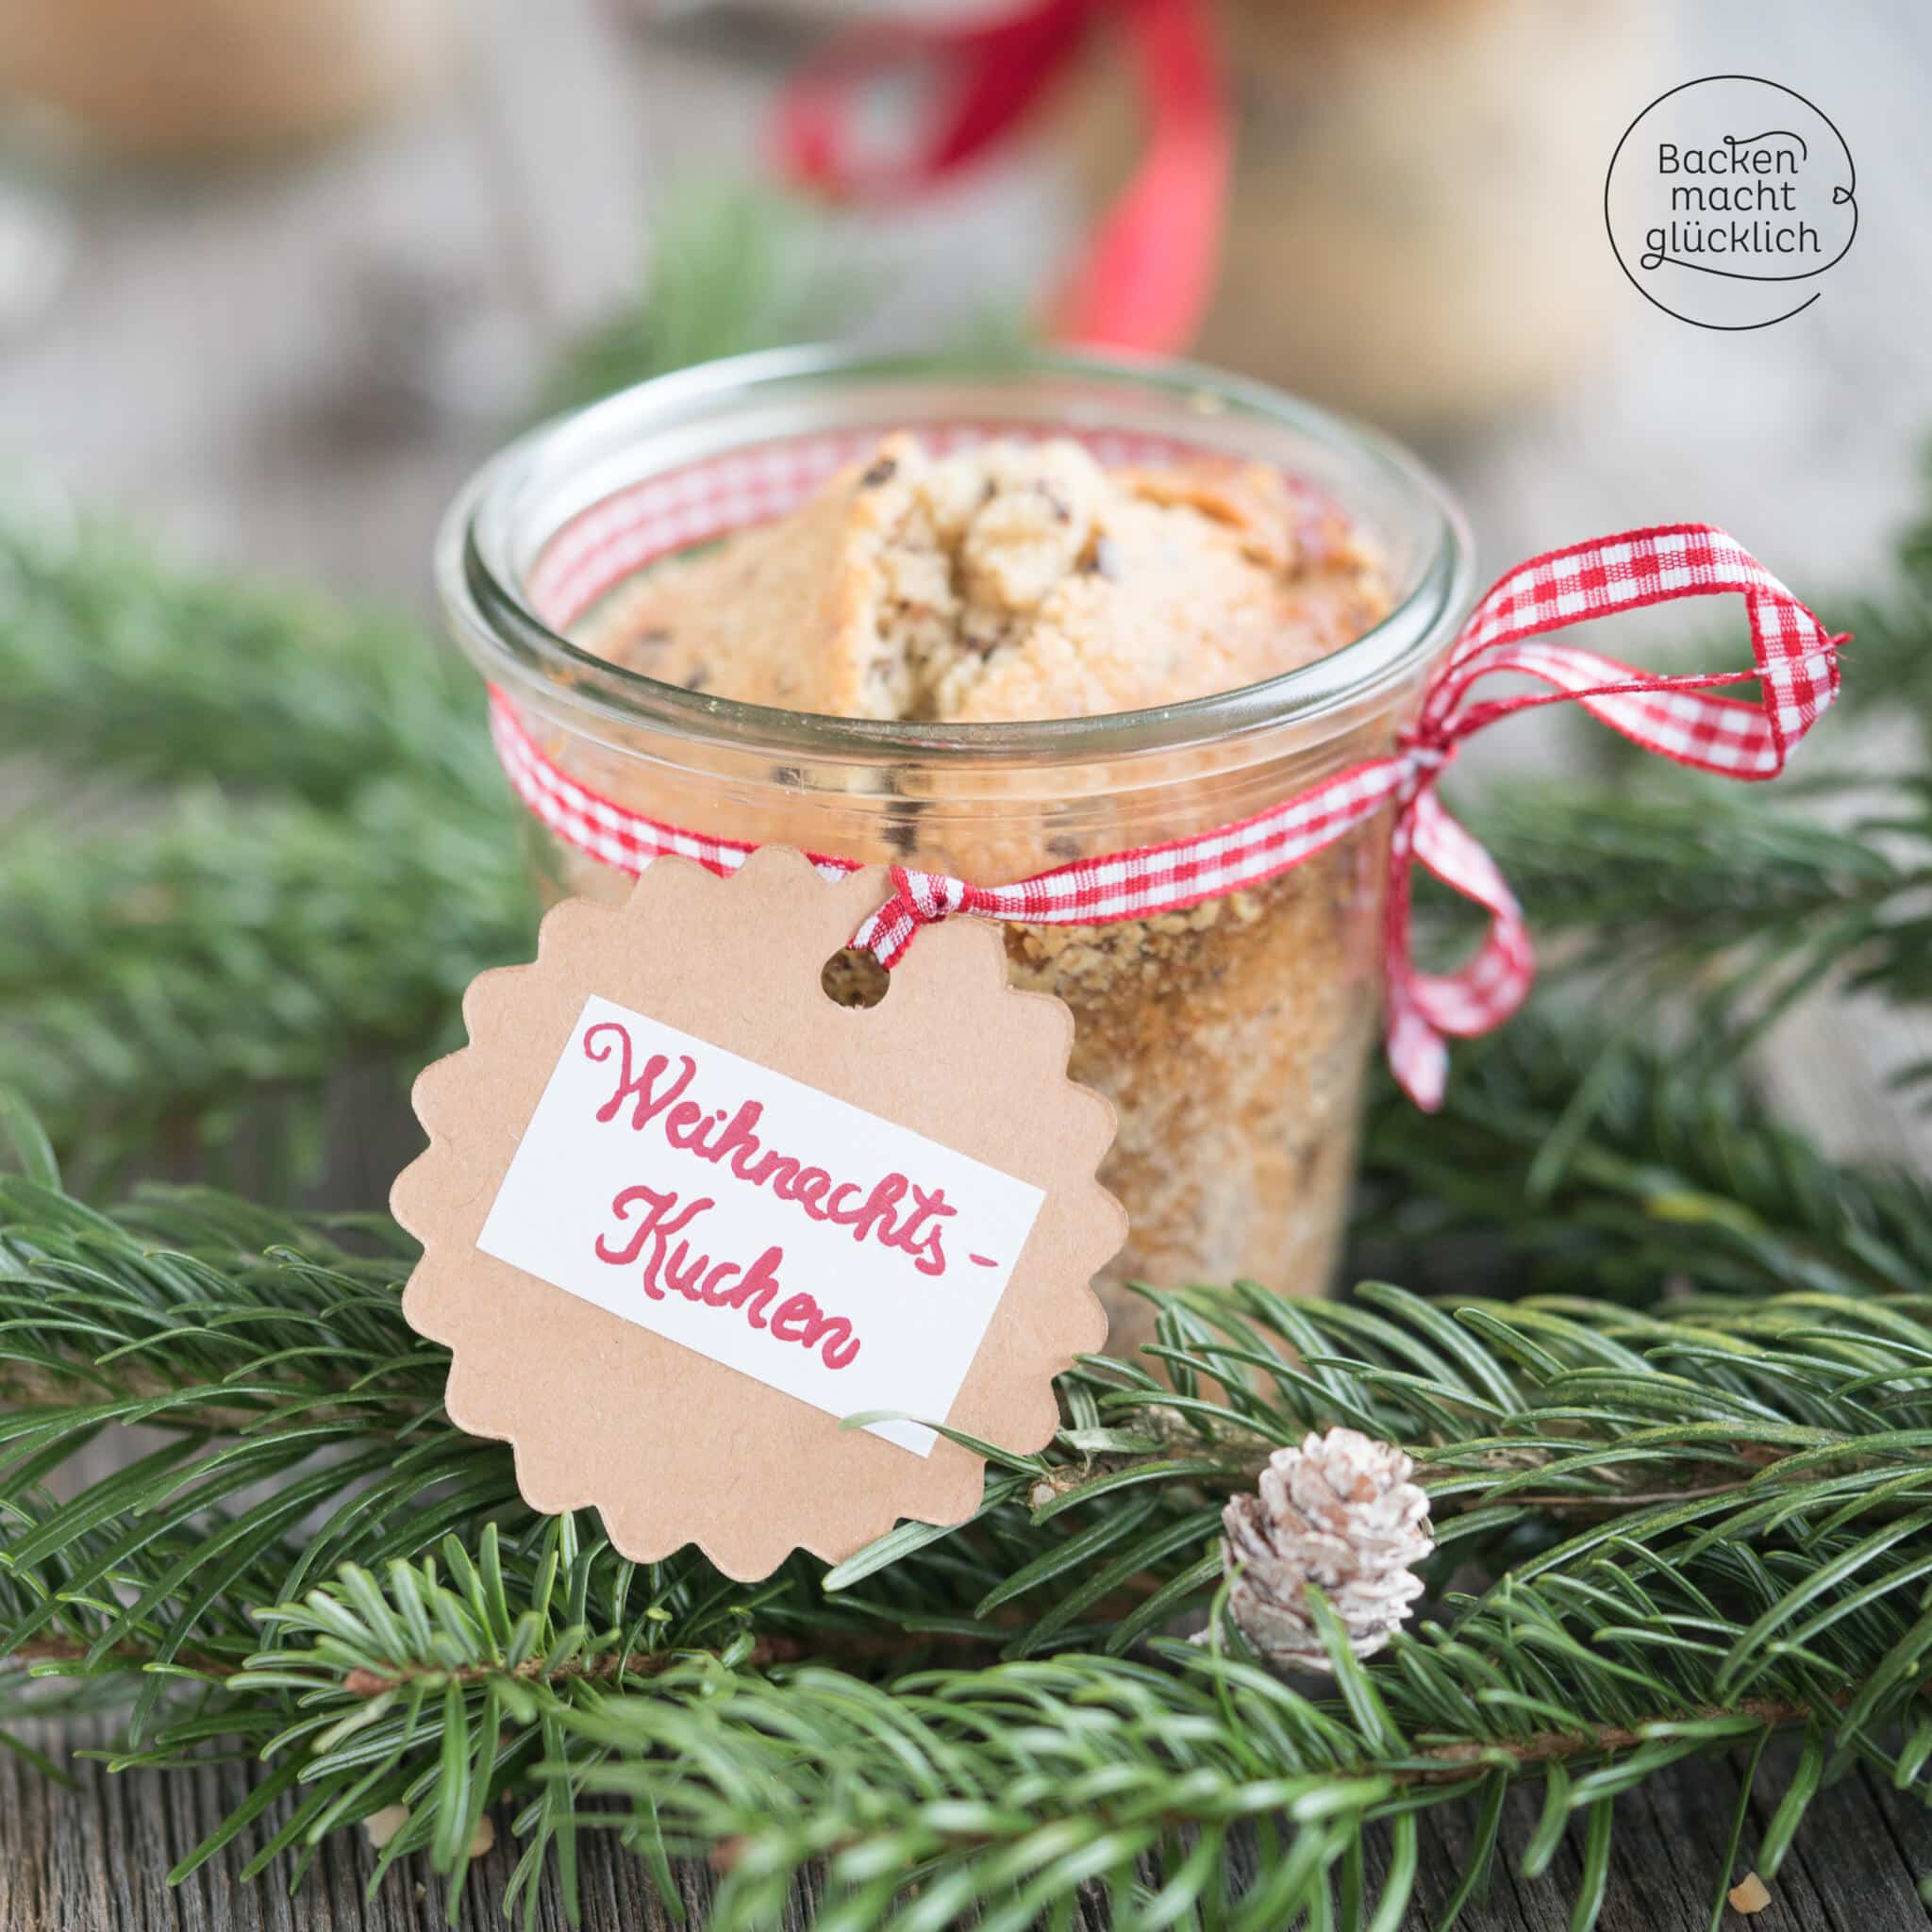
1796, 663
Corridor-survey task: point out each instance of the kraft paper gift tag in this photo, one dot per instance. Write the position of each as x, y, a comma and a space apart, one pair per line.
682, 1214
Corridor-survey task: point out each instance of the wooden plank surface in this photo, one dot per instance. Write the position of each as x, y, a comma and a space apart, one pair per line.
290, 366
95, 1858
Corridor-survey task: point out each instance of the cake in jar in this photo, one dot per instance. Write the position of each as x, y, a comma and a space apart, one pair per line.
1005, 582
1015, 581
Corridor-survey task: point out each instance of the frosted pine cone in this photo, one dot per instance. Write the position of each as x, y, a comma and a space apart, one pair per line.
1341, 1512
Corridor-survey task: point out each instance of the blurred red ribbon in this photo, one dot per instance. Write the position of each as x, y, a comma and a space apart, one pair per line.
1146, 271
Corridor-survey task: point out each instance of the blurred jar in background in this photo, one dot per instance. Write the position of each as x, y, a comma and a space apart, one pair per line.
186, 77
1415, 230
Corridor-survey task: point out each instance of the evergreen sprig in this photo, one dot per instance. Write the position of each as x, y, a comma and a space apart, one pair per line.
125, 669
1607, 1162
1890, 668
1734, 903
1698, 1521
259, 796
171, 973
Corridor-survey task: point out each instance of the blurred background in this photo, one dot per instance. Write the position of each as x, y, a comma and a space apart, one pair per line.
276, 274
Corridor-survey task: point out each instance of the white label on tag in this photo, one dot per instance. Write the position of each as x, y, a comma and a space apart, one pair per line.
788, 1234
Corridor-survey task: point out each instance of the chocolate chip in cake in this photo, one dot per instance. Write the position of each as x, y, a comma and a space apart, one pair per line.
881, 472
699, 679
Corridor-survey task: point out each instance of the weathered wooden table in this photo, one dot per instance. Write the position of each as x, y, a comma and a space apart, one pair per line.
92, 1860
291, 367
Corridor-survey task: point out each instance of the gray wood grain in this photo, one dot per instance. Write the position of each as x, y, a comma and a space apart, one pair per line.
94, 1857
290, 366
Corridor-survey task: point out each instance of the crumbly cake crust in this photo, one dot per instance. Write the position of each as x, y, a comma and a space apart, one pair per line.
1003, 582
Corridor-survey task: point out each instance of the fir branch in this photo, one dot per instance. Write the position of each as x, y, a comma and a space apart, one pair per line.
1011, 1789
191, 1311
1698, 1519
118, 664
259, 925
1613, 1164
266, 1351
1890, 660
1738, 903
1704, 866
1014, 1790
213, 954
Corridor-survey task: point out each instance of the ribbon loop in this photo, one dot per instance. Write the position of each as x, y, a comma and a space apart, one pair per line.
1794, 663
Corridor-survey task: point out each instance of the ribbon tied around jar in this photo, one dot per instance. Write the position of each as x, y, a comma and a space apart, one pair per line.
1676, 716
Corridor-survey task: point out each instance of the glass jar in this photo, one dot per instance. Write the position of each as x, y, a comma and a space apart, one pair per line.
1232, 1038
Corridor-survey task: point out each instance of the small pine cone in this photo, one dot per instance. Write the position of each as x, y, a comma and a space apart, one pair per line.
1341, 1512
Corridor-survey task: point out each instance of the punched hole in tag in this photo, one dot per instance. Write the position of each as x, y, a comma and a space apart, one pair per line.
854, 977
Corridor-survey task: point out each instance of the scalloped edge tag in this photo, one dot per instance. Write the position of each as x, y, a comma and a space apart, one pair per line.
682, 1215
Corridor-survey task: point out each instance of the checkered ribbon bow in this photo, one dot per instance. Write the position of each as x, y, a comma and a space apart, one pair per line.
1796, 665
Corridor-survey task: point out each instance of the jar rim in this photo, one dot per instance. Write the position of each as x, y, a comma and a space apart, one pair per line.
493, 619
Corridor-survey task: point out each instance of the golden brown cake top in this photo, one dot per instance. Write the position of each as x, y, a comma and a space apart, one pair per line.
1003, 582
